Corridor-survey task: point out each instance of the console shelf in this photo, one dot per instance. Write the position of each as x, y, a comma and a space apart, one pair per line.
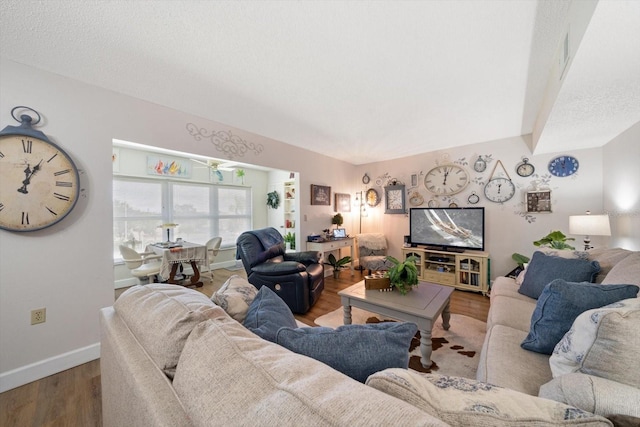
466, 270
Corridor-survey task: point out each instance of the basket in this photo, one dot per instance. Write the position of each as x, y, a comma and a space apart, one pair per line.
377, 281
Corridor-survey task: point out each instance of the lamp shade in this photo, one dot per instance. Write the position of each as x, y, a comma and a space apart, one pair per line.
590, 225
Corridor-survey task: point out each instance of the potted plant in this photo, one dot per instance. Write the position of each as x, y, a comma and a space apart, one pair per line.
290, 240
338, 264
404, 274
555, 239
337, 220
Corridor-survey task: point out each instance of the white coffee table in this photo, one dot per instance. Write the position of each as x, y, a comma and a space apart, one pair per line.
422, 306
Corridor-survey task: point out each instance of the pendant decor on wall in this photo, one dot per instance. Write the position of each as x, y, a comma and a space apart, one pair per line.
499, 189
231, 145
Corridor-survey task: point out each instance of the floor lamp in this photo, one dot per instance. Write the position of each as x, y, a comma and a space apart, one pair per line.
589, 225
362, 212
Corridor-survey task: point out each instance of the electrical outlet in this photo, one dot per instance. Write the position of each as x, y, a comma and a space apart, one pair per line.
38, 315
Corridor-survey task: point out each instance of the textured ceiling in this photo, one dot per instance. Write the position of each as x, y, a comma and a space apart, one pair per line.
363, 81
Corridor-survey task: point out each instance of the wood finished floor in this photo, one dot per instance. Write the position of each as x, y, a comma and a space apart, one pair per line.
73, 397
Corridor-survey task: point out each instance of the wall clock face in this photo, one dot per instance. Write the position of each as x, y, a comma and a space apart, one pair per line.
394, 199
563, 166
473, 198
525, 168
365, 179
373, 198
499, 190
480, 165
445, 180
39, 186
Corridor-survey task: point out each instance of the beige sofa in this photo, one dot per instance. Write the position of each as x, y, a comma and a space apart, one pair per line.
171, 357
503, 362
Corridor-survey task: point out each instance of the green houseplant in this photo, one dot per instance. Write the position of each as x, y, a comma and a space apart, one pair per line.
404, 274
338, 264
337, 219
290, 238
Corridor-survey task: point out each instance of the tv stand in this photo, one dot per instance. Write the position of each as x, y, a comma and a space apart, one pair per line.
467, 270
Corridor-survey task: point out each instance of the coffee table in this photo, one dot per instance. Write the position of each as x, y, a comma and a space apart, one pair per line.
422, 306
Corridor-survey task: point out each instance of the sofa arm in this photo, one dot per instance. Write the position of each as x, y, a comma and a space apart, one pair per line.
593, 394
307, 258
278, 268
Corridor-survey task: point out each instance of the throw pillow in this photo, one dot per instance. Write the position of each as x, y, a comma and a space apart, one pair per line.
464, 402
268, 313
608, 258
603, 342
543, 269
559, 305
355, 350
235, 297
626, 271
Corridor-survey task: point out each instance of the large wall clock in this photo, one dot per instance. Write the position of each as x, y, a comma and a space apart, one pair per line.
499, 189
445, 180
564, 166
40, 183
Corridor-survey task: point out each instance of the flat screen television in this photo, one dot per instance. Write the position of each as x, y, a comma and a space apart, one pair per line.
447, 229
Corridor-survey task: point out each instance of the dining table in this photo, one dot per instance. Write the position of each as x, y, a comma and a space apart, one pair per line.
174, 254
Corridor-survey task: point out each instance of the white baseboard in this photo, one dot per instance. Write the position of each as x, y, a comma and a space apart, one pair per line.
38, 370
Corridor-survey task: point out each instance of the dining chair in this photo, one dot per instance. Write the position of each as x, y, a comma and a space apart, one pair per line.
213, 247
143, 264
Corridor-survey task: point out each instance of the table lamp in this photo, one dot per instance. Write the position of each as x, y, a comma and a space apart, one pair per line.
589, 225
168, 227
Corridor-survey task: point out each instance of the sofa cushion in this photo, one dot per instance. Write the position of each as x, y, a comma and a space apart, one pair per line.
625, 271
607, 258
543, 269
513, 312
559, 305
593, 394
503, 362
603, 342
162, 316
355, 350
465, 402
235, 296
229, 377
268, 313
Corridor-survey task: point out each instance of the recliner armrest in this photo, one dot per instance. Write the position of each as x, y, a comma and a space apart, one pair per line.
279, 268
307, 258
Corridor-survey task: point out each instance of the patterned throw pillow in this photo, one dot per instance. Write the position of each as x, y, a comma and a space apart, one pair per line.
464, 402
235, 297
544, 268
603, 342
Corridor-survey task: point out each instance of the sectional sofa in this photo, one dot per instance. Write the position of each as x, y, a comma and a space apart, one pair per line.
170, 356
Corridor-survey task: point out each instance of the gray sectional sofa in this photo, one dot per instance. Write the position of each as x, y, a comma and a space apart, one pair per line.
607, 382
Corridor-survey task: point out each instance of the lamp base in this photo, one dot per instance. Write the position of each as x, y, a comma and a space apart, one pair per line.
587, 242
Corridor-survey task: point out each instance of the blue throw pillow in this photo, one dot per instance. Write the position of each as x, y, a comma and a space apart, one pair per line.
355, 350
543, 269
268, 313
561, 303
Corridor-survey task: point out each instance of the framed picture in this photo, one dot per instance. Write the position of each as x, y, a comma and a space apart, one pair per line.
394, 199
538, 201
320, 195
343, 202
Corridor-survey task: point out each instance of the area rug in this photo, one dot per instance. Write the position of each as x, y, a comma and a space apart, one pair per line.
455, 352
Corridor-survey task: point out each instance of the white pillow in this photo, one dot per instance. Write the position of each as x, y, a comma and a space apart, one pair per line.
603, 342
235, 297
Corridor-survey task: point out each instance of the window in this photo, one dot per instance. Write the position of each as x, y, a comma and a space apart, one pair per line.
202, 211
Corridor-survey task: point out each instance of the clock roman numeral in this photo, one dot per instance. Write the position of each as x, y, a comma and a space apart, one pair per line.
61, 197
25, 218
27, 145
1, 154
49, 209
62, 172
1, 206
63, 184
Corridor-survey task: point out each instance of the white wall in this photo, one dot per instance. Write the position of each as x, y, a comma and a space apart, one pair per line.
622, 188
68, 268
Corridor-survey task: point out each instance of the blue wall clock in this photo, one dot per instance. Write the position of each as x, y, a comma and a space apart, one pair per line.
563, 166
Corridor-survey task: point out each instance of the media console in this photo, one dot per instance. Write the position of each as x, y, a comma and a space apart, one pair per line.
468, 270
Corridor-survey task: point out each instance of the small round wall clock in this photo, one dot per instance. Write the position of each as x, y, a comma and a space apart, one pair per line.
40, 183
445, 180
525, 168
473, 198
562, 166
500, 189
480, 165
365, 179
373, 198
